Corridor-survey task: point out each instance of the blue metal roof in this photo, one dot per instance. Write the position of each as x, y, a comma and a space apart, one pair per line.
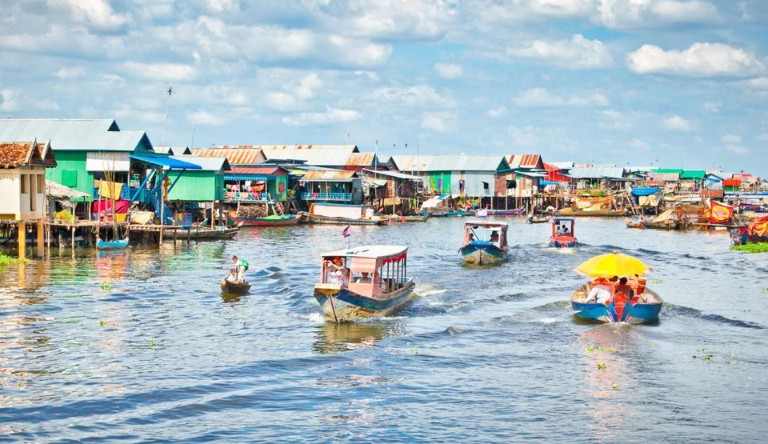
173, 164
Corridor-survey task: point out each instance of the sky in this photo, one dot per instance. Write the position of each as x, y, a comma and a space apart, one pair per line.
663, 83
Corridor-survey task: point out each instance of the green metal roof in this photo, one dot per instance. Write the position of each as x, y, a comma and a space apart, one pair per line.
668, 171
693, 174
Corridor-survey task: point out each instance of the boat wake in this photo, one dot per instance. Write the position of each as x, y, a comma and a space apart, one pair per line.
688, 312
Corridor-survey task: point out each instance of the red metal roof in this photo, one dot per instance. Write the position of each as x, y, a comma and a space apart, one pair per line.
553, 173
524, 161
266, 171
235, 156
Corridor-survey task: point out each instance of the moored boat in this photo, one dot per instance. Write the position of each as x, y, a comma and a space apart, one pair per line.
485, 242
645, 307
275, 220
409, 218
563, 232
363, 282
636, 222
346, 214
234, 287
538, 218
111, 245
511, 212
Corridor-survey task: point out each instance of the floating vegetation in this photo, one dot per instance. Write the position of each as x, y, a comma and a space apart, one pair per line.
106, 285
8, 260
752, 248
601, 349
102, 323
703, 355
152, 343
601, 366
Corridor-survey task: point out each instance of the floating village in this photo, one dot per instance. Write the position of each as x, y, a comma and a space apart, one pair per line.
69, 184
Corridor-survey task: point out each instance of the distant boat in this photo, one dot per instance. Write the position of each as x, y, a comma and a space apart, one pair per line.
443, 213
367, 281
485, 242
111, 245
538, 218
511, 212
234, 287
409, 218
644, 308
344, 214
636, 222
268, 221
563, 234
591, 213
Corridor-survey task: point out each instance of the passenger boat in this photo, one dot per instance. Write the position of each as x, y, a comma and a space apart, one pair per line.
485, 242
111, 245
563, 234
645, 307
234, 287
345, 214
636, 222
366, 281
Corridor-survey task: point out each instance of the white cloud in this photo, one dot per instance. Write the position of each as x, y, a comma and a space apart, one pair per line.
492, 13
281, 101
700, 60
330, 116
497, 112
439, 122
542, 98
762, 137
732, 143
759, 83
70, 73
419, 96
97, 13
639, 145
161, 72
8, 100
677, 123
206, 118
650, 13
307, 86
576, 53
712, 107
449, 70
617, 120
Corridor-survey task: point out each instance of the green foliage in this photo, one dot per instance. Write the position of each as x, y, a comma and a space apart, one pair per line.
752, 248
8, 260
601, 366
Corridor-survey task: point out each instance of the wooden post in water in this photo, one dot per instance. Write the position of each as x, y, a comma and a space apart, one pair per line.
22, 239
73, 239
40, 234
162, 214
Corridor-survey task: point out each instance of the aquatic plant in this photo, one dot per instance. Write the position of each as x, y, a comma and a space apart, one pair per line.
106, 285
752, 248
8, 260
152, 343
102, 323
601, 366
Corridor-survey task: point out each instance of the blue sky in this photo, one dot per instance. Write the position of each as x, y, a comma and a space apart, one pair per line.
675, 83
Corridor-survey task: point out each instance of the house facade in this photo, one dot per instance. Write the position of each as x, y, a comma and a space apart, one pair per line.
22, 179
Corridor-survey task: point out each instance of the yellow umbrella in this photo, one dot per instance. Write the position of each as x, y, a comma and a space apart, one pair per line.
613, 264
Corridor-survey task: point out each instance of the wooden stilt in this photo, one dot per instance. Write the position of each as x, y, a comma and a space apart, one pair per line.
40, 238
73, 239
22, 239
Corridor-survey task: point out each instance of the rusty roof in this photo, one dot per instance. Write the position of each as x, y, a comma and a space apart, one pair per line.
245, 155
326, 175
320, 155
19, 154
272, 170
525, 161
361, 159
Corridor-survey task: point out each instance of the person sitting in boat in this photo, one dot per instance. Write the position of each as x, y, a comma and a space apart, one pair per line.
364, 279
338, 270
565, 230
232, 276
600, 292
241, 266
624, 288
494, 237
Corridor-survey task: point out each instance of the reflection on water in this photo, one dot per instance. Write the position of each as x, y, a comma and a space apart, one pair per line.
334, 338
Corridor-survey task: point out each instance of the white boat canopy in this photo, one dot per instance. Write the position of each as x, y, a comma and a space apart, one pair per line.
369, 251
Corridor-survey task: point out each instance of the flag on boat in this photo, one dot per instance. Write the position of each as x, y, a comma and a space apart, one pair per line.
345, 233
719, 213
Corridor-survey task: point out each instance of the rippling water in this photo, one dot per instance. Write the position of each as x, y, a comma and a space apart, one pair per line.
141, 346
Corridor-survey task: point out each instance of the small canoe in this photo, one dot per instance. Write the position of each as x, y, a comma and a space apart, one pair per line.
534, 219
111, 245
269, 221
234, 287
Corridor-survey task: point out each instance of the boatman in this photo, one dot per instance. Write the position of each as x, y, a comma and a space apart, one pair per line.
242, 266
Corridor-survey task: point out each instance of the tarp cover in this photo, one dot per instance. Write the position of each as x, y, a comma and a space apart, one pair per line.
121, 206
645, 191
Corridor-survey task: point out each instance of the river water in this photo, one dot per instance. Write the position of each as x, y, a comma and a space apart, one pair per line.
141, 346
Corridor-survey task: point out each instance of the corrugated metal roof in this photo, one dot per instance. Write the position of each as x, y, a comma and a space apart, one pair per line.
524, 160
392, 174
235, 156
263, 171
462, 162
206, 163
321, 155
412, 163
596, 172
692, 174
75, 134
173, 150
317, 175
361, 159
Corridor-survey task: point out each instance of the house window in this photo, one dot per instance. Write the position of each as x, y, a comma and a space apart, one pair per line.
32, 193
24, 184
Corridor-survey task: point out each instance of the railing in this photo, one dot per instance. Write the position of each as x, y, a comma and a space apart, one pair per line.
246, 196
344, 197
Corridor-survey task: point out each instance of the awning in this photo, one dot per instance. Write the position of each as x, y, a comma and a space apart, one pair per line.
543, 182
245, 176
166, 162
646, 191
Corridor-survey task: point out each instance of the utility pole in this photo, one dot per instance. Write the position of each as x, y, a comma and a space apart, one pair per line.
376, 157
167, 101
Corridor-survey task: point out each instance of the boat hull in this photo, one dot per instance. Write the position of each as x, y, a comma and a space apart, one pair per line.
266, 221
597, 213
563, 242
514, 212
482, 254
637, 313
234, 287
343, 221
341, 305
112, 245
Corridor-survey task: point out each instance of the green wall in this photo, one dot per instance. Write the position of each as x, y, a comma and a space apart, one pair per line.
197, 186
445, 177
273, 186
70, 171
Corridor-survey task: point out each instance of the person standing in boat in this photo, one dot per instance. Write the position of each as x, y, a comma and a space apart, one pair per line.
241, 266
338, 271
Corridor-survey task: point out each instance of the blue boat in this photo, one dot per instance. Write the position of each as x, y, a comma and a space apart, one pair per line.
485, 242
643, 308
111, 245
363, 282
563, 234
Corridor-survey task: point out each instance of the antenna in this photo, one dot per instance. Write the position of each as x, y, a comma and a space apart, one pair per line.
167, 101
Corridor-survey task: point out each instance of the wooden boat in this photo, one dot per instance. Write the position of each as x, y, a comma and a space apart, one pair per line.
234, 287
643, 308
207, 233
563, 234
344, 214
755, 232
538, 218
444, 213
410, 218
636, 222
485, 242
274, 220
594, 213
512, 212
111, 245
367, 281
